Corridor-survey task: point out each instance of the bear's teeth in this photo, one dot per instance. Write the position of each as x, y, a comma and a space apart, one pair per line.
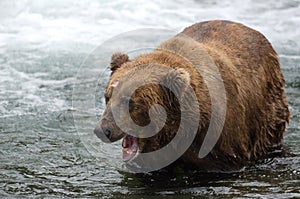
127, 151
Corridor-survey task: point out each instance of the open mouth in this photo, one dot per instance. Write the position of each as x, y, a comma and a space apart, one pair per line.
129, 147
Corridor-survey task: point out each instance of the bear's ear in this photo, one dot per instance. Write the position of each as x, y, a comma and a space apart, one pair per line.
117, 59
177, 80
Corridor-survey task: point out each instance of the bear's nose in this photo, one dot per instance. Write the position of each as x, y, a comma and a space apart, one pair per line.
102, 132
107, 132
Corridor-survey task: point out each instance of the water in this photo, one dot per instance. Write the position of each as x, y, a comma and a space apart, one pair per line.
42, 45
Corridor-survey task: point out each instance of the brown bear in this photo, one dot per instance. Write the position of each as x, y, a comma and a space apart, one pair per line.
256, 110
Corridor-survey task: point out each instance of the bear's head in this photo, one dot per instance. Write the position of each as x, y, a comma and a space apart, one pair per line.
142, 105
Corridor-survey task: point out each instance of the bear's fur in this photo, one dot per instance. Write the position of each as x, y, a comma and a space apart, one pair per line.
256, 110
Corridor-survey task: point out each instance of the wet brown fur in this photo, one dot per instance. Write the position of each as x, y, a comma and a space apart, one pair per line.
257, 110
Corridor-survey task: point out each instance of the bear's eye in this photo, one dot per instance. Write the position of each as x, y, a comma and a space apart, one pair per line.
128, 102
131, 105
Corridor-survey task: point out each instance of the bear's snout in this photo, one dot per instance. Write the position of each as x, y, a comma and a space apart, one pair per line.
107, 131
102, 131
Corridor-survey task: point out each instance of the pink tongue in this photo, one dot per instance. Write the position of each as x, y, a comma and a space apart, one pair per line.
126, 142
130, 147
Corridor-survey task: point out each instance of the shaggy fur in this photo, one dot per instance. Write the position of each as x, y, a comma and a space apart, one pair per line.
256, 110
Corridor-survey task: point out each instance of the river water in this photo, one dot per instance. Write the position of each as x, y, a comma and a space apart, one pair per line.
42, 47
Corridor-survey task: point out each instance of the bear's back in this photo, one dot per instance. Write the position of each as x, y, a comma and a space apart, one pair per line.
257, 110
239, 42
